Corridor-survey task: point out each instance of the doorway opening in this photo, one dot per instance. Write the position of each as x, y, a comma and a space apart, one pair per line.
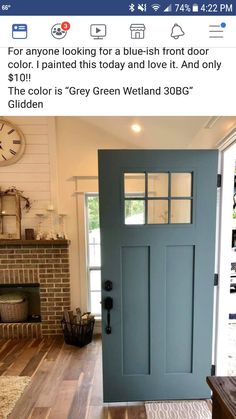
226, 296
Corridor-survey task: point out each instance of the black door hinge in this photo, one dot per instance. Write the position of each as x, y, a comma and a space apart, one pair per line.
216, 280
219, 180
213, 370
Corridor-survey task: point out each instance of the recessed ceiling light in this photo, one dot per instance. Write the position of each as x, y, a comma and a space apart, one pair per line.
136, 128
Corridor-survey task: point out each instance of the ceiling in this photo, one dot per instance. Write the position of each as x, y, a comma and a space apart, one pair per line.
167, 132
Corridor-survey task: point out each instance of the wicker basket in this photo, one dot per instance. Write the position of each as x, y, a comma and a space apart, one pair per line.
13, 308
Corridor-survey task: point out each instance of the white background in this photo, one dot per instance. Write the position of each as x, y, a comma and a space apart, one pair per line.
213, 91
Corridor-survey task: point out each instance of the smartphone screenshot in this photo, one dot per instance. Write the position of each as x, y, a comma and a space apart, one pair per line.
117, 209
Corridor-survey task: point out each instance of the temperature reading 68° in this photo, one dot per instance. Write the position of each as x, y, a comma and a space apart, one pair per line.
5, 7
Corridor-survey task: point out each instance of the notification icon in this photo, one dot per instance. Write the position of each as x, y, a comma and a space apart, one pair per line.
65, 26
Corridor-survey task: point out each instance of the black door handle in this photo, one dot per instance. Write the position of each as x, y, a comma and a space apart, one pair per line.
108, 304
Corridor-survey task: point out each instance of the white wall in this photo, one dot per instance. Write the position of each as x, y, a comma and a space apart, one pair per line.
34, 172
77, 145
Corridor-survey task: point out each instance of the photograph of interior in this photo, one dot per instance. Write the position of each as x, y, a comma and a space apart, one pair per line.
117, 267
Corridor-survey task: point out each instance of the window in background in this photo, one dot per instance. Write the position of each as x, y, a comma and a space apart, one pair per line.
94, 254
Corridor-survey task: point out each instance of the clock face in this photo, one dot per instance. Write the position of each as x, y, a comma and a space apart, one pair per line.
12, 143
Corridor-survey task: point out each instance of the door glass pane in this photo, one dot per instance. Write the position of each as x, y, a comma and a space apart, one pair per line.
181, 184
158, 211
95, 302
158, 185
134, 185
181, 211
134, 211
95, 280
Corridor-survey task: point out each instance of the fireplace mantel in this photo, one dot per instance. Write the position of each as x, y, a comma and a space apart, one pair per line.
34, 242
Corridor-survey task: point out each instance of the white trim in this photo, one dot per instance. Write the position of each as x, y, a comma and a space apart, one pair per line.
225, 234
83, 185
217, 241
227, 141
52, 149
82, 254
88, 267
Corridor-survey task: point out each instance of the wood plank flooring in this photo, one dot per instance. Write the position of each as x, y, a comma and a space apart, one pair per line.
66, 382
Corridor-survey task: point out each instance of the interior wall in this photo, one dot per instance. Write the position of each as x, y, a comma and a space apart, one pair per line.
34, 172
77, 146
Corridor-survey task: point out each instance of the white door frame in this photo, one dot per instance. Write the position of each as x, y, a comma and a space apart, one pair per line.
228, 157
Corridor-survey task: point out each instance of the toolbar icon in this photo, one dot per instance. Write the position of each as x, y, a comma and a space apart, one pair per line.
137, 30
98, 31
59, 30
217, 31
176, 31
19, 31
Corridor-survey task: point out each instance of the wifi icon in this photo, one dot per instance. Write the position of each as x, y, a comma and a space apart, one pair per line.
156, 7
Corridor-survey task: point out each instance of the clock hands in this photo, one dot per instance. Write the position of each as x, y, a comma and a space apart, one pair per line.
10, 150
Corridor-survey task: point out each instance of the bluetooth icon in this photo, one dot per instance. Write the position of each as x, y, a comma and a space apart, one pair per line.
132, 7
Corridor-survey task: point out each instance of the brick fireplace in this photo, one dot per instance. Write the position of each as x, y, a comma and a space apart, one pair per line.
41, 262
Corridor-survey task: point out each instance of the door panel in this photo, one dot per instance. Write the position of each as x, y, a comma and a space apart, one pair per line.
157, 216
135, 276
179, 312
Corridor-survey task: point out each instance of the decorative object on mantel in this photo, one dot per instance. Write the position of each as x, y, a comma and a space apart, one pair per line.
51, 235
77, 329
27, 202
29, 234
62, 234
40, 235
10, 212
55, 230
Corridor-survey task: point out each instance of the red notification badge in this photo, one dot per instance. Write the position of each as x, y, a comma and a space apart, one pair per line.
65, 26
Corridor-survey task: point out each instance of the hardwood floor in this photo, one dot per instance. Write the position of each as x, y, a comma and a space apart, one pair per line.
66, 382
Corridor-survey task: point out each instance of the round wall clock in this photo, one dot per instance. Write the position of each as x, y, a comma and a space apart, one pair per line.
12, 143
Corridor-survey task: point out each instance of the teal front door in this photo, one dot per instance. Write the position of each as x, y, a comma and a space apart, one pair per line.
157, 216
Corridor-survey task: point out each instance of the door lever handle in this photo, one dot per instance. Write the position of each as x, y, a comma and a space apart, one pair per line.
108, 304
